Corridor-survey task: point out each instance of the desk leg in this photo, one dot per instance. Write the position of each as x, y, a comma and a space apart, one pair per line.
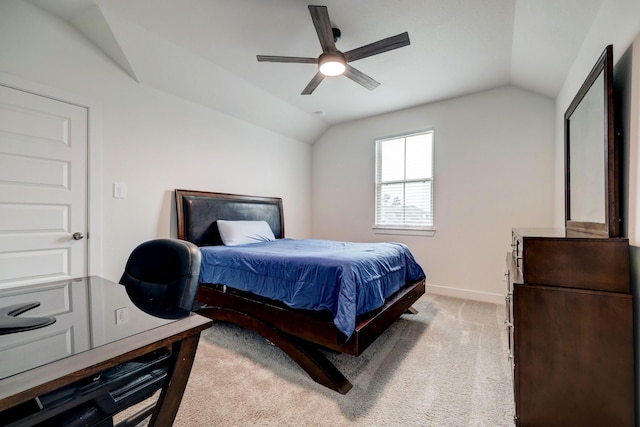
171, 395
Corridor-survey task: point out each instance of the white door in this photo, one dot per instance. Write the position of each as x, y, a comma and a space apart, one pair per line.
43, 189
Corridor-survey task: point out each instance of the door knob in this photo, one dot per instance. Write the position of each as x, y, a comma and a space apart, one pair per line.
77, 236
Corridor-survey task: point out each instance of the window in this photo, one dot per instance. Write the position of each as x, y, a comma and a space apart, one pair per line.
404, 182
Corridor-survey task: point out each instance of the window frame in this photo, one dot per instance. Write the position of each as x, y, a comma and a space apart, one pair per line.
403, 229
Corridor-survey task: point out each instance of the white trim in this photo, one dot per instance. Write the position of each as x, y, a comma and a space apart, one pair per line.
429, 232
466, 294
94, 161
406, 134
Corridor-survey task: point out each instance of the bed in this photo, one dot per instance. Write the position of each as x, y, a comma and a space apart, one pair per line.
302, 330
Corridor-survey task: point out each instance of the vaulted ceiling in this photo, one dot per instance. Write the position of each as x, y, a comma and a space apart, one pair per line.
205, 51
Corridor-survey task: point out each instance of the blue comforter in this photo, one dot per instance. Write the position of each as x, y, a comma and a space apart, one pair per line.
348, 279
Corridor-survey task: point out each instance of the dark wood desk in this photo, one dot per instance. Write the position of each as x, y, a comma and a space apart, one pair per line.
179, 337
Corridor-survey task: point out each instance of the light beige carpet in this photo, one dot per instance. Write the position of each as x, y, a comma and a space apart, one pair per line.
445, 366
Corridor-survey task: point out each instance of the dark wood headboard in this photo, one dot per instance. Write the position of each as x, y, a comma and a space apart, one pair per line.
197, 212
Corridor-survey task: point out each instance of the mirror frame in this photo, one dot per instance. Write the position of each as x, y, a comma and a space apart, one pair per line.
611, 226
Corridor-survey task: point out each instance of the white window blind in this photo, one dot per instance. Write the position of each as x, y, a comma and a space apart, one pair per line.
404, 181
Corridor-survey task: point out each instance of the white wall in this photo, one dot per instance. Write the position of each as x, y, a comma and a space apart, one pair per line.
493, 170
633, 139
617, 23
152, 141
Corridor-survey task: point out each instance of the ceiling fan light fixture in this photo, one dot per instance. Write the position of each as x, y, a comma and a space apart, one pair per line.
332, 64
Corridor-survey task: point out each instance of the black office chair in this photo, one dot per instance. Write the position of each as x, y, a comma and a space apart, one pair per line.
161, 277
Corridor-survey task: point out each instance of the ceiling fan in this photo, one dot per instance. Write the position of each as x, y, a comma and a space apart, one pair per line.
332, 62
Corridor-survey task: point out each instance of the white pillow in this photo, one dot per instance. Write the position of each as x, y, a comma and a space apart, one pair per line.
242, 232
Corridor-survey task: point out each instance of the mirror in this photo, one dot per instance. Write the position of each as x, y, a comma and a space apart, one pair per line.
591, 161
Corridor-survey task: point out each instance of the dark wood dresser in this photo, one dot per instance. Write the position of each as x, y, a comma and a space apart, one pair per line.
570, 325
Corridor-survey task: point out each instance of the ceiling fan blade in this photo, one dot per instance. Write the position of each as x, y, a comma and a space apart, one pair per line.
384, 45
360, 78
320, 18
295, 59
313, 84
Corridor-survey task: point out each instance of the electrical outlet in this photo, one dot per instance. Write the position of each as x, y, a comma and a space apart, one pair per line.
122, 315
119, 190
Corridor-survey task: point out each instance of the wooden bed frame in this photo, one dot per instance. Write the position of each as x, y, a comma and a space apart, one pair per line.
299, 333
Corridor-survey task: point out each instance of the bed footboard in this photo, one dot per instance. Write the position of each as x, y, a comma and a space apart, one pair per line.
319, 368
299, 333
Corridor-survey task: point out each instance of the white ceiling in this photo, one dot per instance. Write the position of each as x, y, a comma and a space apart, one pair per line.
205, 51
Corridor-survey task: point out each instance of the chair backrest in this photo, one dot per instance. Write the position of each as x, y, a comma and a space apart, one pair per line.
161, 277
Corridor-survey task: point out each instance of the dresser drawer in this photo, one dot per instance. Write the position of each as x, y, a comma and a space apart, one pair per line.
594, 264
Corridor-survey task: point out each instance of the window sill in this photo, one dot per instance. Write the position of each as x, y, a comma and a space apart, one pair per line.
400, 231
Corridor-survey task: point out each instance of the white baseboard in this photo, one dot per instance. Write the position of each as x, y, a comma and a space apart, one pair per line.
466, 294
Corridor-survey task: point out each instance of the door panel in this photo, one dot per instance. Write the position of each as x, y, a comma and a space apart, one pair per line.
43, 188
